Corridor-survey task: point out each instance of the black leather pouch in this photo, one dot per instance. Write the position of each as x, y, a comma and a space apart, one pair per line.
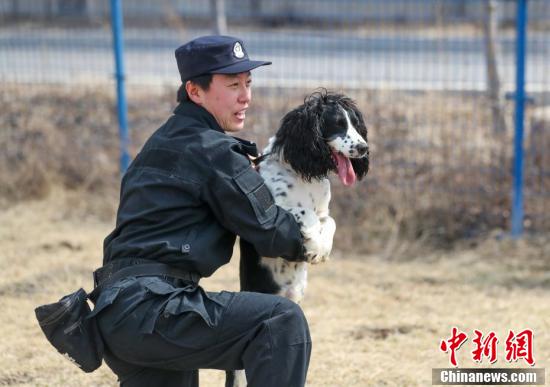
68, 328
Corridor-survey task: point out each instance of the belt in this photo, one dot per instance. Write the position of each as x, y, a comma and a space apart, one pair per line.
136, 267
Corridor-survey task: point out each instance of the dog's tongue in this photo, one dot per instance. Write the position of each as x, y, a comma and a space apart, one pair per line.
345, 169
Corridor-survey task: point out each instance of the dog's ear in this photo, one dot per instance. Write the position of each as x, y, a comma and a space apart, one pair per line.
300, 143
361, 166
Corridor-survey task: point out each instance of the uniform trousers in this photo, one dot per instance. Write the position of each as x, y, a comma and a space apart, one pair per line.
160, 332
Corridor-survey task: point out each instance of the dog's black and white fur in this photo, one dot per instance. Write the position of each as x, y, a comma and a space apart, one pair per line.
325, 134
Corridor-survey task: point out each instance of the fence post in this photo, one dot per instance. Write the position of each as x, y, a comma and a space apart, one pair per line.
517, 199
118, 45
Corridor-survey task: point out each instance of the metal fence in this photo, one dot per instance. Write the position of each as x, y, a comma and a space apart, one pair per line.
405, 45
431, 75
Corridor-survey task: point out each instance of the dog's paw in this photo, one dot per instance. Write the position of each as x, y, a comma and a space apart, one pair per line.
318, 256
316, 259
316, 245
319, 245
317, 233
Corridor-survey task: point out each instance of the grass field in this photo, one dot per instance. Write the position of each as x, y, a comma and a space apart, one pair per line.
374, 321
438, 171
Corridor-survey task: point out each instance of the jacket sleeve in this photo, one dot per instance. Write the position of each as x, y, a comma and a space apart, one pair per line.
243, 204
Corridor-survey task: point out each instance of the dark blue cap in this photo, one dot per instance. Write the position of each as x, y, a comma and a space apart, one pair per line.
214, 55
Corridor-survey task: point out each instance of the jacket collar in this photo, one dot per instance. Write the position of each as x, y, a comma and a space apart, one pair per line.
247, 147
190, 109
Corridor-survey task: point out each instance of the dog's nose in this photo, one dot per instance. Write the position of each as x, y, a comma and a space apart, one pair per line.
362, 149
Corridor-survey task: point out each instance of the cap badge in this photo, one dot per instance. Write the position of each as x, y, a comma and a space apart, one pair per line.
238, 51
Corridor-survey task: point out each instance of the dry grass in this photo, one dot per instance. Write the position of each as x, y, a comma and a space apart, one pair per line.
374, 322
438, 172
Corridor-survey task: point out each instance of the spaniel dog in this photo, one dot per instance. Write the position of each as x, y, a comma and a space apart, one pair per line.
325, 134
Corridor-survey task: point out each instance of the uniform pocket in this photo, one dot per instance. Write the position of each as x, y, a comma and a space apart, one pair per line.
108, 295
259, 196
189, 317
157, 286
174, 302
192, 301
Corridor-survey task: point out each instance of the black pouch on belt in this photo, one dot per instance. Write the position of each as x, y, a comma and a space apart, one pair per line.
69, 324
68, 329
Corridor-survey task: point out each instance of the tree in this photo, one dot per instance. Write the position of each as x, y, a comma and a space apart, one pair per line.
217, 9
490, 27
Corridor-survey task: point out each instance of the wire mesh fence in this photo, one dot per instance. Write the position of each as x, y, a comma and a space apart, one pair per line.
431, 76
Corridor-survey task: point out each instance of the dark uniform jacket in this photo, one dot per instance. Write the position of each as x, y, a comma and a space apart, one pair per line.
189, 192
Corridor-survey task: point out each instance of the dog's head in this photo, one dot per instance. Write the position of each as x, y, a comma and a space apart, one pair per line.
326, 133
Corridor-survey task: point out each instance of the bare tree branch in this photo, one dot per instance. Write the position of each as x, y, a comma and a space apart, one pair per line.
490, 27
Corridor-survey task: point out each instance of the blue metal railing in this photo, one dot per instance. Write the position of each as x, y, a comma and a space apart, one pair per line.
117, 24
376, 63
517, 198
